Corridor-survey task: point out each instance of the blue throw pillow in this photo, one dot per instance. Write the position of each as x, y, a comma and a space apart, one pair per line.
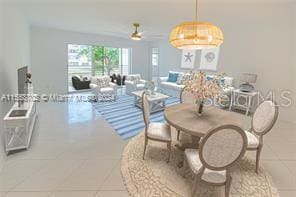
222, 82
173, 77
209, 78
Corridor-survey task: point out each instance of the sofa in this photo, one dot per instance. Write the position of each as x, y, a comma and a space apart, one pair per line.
134, 83
80, 84
173, 88
103, 88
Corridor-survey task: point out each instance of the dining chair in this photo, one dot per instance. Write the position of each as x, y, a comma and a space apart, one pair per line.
160, 132
185, 97
220, 149
263, 121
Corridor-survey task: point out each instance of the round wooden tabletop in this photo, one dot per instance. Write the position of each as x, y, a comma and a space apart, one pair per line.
184, 117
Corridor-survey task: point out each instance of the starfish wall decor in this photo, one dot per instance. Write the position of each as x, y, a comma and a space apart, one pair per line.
188, 57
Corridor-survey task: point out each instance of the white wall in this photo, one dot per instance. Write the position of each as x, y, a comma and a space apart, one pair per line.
1, 55
16, 45
293, 72
49, 56
258, 39
15, 48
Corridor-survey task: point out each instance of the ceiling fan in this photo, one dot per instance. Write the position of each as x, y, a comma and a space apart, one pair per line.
136, 35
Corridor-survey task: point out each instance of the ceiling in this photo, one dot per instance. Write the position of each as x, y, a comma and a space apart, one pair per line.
115, 17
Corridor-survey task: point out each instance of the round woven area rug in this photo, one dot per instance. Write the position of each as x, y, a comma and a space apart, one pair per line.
155, 177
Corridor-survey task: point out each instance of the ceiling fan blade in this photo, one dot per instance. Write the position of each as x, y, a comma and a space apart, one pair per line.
157, 36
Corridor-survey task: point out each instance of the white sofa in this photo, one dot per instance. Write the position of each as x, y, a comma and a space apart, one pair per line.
169, 88
134, 83
103, 88
174, 89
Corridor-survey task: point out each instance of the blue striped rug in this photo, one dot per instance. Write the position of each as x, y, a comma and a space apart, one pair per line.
125, 118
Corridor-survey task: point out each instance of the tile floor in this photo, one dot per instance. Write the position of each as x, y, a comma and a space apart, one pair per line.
75, 153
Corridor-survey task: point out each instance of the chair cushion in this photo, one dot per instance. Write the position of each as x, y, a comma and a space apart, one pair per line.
135, 78
101, 81
140, 86
93, 86
107, 89
171, 85
159, 131
196, 165
253, 141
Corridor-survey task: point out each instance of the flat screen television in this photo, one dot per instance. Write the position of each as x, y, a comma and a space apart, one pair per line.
22, 78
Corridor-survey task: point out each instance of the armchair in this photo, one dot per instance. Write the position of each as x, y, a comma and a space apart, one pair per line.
79, 84
134, 83
103, 87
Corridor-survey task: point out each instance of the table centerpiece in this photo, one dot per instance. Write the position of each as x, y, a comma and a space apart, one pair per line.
204, 88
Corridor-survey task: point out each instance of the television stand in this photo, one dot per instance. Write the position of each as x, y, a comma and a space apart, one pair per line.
19, 124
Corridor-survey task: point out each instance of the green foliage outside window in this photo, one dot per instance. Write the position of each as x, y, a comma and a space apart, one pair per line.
104, 59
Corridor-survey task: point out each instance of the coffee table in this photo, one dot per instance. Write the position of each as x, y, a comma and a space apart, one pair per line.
156, 101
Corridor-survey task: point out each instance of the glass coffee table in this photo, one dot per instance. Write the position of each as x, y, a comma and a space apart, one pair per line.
156, 100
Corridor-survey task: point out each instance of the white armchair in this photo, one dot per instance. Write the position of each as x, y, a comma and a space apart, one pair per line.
103, 88
134, 83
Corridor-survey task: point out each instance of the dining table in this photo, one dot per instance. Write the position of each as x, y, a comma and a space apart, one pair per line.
185, 118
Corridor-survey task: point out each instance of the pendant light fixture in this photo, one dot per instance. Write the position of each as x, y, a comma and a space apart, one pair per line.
196, 35
136, 35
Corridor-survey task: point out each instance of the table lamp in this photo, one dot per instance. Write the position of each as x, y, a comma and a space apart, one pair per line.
247, 80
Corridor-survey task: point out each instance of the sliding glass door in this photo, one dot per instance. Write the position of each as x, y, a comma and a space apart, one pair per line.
87, 60
78, 64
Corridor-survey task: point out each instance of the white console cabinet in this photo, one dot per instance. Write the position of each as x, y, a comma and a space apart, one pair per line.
19, 124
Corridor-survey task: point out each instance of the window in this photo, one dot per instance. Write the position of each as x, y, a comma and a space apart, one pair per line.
155, 61
78, 63
86, 60
155, 56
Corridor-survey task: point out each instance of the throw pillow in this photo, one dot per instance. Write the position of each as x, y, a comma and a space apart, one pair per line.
78, 76
137, 79
103, 82
173, 77
132, 78
85, 78
128, 78
209, 78
106, 81
185, 79
222, 82
94, 80
180, 78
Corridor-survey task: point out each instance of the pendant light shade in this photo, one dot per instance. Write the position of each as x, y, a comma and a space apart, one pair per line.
196, 35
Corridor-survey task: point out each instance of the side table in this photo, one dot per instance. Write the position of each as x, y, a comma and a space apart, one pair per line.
242, 100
